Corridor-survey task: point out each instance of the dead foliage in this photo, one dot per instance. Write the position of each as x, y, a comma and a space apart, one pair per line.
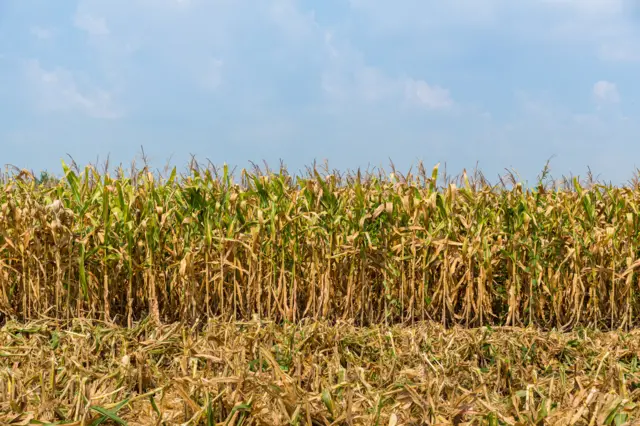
260, 373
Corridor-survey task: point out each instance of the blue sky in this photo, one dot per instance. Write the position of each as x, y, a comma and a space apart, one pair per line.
501, 83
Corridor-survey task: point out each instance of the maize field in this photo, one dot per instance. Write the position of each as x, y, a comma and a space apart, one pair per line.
366, 249
322, 298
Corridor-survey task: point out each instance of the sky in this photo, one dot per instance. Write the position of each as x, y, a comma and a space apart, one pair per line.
497, 84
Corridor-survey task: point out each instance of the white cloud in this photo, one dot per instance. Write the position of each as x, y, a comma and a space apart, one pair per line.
205, 43
92, 25
41, 32
354, 81
291, 20
432, 97
347, 76
371, 84
59, 90
606, 27
606, 92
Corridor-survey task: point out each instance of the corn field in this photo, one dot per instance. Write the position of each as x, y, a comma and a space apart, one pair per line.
367, 248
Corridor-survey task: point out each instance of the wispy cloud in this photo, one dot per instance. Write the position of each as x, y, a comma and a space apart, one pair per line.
337, 80
606, 92
607, 28
348, 76
57, 90
432, 97
94, 26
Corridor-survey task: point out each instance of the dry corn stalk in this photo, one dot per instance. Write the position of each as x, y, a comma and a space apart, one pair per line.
365, 247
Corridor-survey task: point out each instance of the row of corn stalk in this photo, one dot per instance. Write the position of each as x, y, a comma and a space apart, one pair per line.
369, 248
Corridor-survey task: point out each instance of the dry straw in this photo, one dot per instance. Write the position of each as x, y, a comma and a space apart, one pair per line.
259, 373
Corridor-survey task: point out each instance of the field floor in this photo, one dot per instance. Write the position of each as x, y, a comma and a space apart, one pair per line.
260, 373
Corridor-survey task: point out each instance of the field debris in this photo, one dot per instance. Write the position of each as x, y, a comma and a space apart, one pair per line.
261, 373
